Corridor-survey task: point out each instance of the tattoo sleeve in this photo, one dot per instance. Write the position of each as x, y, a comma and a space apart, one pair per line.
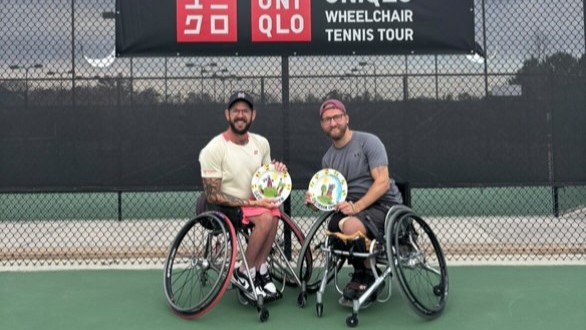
214, 195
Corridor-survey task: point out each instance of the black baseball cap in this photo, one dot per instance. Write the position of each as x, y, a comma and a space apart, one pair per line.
241, 96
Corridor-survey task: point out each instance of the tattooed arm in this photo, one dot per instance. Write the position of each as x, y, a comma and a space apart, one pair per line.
213, 194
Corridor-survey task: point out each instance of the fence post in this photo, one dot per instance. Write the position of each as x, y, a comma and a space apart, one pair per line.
285, 100
119, 205
73, 71
556, 201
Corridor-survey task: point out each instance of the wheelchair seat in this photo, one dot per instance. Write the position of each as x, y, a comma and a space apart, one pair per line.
233, 213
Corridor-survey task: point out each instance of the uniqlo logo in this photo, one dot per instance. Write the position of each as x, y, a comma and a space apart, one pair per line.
281, 21
206, 21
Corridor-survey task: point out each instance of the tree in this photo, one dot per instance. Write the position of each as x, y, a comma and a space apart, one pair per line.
538, 77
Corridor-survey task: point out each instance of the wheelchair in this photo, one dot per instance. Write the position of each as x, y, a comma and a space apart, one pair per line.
201, 260
408, 251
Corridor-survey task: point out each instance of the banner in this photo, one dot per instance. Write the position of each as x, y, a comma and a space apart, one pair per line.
293, 27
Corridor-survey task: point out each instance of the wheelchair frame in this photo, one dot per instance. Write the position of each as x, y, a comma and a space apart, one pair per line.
415, 259
202, 257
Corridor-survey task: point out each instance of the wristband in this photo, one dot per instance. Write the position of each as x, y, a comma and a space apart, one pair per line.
353, 210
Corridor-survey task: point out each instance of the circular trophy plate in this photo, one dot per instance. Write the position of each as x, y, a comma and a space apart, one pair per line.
268, 183
328, 187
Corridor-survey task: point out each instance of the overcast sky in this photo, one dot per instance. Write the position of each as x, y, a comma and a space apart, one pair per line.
33, 31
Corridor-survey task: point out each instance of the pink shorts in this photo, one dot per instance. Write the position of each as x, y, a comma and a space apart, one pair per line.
253, 211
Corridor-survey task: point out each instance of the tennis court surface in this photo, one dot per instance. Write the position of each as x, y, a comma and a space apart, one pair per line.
481, 297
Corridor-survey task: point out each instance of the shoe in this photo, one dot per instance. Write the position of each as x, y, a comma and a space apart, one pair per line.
266, 283
245, 285
361, 280
350, 303
369, 280
355, 286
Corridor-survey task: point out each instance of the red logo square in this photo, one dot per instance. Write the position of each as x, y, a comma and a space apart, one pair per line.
281, 21
201, 21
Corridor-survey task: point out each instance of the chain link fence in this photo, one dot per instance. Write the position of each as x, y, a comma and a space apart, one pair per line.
58, 57
474, 225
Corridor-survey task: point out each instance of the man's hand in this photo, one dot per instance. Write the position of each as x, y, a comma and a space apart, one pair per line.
307, 201
279, 166
347, 208
266, 203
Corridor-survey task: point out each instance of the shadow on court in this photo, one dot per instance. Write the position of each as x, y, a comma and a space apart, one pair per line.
481, 297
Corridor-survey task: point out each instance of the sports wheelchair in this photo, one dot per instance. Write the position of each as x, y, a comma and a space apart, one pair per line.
409, 250
200, 263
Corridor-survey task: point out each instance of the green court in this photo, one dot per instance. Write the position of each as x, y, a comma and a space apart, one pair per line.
482, 297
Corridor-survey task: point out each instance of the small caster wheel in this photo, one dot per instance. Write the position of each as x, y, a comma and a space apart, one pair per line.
352, 321
319, 309
302, 300
263, 314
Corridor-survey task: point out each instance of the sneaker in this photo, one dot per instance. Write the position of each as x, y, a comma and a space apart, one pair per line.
369, 280
361, 280
266, 283
245, 285
355, 286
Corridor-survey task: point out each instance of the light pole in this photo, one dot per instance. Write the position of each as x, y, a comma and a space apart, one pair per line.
406, 80
231, 79
202, 70
224, 78
215, 75
60, 74
347, 86
26, 68
359, 70
373, 65
352, 78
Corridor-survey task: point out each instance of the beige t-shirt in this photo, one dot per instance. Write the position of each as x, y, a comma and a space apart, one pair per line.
234, 164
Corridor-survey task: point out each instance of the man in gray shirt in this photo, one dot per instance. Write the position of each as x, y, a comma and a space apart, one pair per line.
362, 159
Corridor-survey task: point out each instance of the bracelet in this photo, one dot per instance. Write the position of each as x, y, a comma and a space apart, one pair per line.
352, 206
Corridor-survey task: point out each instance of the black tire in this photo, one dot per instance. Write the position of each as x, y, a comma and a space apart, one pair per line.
352, 321
302, 300
285, 253
199, 264
418, 264
263, 314
310, 269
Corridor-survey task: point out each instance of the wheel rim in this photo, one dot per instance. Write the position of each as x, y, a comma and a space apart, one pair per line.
199, 265
419, 265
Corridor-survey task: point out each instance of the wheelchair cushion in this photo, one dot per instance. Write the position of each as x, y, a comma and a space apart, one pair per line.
358, 241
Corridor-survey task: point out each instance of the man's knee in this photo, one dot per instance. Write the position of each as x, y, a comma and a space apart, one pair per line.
351, 225
264, 222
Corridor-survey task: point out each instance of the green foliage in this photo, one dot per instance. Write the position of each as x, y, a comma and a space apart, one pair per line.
538, 77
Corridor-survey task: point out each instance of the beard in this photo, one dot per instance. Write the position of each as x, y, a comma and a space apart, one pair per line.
240, 131
337, 133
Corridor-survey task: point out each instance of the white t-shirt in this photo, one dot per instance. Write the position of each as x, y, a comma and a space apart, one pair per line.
234, 164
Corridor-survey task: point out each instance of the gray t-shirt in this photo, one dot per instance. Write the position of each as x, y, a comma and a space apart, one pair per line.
354, 161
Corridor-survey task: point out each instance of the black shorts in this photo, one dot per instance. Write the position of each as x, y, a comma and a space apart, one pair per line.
233, 213
373, 219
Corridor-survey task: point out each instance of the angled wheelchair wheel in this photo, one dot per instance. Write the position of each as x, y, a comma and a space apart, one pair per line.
199, 264
285, 253
311, 268
417, 263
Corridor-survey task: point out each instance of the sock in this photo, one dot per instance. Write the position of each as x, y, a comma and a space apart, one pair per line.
264, 268
252, 272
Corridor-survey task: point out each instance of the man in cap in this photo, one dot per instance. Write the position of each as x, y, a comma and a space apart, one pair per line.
362, 159
228, 163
